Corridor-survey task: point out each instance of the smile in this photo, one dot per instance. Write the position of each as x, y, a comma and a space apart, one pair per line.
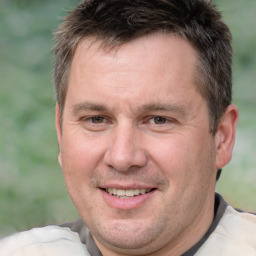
127, 193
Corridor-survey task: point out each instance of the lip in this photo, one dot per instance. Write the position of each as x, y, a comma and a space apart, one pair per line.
126, 187
126, 203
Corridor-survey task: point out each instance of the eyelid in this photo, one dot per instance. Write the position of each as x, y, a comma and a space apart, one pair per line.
168, 119
87, 123
90, 117
98, 117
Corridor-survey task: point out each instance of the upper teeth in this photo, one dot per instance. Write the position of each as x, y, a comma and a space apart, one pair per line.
127, 192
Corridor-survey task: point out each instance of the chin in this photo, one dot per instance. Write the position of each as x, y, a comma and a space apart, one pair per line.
127, 235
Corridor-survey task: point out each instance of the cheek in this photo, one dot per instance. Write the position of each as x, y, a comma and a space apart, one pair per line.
78, 150
80, 158
182, 159
171, 154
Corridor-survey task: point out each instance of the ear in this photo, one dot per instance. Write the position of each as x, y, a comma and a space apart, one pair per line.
59, 131
225, 136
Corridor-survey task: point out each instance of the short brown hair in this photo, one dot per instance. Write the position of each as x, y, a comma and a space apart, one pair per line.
115, 22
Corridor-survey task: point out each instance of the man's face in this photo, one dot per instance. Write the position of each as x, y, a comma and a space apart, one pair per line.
135, 147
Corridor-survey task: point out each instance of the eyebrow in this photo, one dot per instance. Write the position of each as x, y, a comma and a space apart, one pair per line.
87, 106
90, 106
163, 107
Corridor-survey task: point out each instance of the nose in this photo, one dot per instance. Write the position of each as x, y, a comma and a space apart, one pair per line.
125, 151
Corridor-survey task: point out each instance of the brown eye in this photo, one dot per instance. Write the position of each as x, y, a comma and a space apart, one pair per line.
159, 120
97, 119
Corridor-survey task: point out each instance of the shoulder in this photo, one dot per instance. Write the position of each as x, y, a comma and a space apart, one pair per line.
78, 227
235, 235
86, 238
49, 240
239, 226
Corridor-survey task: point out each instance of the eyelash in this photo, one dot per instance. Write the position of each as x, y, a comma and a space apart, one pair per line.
90, 119
147, 120
97, 117
156, 119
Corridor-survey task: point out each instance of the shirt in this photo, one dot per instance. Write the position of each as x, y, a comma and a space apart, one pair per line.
232, 232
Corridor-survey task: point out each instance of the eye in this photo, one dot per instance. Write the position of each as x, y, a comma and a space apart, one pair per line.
95, 123
158, 120
97, 119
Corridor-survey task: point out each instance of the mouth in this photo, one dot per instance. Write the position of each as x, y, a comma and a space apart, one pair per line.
127, 193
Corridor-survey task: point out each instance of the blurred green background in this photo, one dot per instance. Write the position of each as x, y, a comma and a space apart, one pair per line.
32, 190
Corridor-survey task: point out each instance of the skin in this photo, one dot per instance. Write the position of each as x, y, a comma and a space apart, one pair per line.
133, 118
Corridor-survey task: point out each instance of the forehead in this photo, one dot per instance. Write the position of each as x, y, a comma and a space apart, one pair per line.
151, 48
154, 66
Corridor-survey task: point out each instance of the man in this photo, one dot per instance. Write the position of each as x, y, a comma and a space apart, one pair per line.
144, 121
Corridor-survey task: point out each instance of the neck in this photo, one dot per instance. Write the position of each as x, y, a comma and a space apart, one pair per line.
183, 242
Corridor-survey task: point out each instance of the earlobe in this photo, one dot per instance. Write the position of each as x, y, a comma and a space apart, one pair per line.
225, 136
58, 129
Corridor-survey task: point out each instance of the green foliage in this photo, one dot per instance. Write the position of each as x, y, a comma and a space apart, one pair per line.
32, 190
237, 183
31, 183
